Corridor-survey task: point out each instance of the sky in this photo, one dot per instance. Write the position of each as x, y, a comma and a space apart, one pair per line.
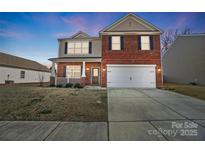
34, 35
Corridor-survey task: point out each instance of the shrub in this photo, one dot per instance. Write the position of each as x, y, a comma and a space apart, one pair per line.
52, 85
193, 83
59, 86
77, 85
69, 85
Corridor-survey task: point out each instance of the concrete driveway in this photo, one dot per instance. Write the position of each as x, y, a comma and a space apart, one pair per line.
153, 114
133, 114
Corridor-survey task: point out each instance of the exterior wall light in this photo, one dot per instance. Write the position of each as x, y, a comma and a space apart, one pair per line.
158, 70
104, 69
87, 69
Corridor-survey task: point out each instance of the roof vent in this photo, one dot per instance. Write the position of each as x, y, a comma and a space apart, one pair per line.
130, 23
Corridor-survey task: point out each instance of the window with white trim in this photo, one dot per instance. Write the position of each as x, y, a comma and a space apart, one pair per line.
78, 47
73, 71
85, 47
145, 42
22, 74
71, 48
116, 43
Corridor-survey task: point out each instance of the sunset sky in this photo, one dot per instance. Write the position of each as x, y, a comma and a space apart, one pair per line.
34, 35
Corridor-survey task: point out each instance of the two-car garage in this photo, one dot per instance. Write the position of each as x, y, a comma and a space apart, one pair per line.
131, 76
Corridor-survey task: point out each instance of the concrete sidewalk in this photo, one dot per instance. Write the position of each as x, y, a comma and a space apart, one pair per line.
55, 131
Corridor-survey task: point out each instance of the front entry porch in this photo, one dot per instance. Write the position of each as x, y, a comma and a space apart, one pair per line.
85, 73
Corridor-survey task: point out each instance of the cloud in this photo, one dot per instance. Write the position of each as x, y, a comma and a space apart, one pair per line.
3, 22
62, 35
83, 23
12, 30
183, 20
95, 28
12, 34
90, 23
77, 21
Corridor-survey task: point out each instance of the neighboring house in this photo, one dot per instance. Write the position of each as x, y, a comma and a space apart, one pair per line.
184, 62
126, 54
19, 70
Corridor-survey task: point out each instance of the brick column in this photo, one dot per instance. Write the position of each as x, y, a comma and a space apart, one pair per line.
82, 81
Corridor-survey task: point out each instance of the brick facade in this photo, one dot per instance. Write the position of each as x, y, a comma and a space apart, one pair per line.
131, 55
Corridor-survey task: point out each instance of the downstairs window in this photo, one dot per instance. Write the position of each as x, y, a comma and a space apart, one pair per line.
73, 71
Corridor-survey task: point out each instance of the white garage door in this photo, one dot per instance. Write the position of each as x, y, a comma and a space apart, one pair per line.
139, 76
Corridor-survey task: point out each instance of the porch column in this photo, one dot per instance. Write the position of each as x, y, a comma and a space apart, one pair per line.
53, 73
83, 70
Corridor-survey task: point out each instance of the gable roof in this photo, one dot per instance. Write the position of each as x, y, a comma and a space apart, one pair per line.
132, 16
18, 62
148, 28
80, 34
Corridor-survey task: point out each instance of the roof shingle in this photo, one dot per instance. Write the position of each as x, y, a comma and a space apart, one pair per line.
18, 62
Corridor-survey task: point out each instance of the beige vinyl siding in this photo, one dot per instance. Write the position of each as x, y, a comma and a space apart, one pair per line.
130, 25
96, 48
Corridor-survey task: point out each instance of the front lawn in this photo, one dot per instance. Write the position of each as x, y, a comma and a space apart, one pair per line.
46, 103
191, 90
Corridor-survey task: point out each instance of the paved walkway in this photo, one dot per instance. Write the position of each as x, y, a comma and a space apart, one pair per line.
133, 114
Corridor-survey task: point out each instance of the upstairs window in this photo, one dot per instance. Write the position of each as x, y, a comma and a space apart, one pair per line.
22, 74
78, 47
85, 47
116, 45
71, 48
145, 42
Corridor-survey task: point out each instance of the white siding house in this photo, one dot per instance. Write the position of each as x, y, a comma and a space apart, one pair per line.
20, 70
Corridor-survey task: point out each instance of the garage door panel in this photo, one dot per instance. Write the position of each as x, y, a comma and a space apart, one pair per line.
114, 75
128, 85
131, 76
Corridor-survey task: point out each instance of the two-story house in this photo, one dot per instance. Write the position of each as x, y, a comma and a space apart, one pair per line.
126, 54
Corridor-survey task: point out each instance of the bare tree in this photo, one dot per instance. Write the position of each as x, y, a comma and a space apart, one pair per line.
166, 40
170, 36
186, 31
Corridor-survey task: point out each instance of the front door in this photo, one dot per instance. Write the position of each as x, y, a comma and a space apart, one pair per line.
95, 76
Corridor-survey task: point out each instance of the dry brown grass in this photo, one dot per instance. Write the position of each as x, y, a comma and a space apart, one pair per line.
46, 103
191, 90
